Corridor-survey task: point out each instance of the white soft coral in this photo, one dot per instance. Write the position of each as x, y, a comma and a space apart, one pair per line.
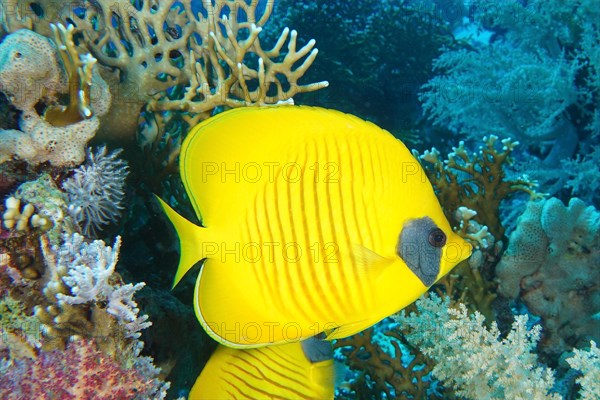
96, 190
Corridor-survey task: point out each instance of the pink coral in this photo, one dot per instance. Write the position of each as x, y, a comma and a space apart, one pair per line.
80, 372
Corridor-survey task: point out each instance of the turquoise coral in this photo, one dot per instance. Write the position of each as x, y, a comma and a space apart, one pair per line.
501, 99
534, 79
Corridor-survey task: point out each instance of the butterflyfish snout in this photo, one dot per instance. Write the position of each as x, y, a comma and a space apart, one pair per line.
425, 248
312, 221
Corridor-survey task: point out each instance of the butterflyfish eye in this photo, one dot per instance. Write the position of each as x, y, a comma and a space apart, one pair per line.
437, 238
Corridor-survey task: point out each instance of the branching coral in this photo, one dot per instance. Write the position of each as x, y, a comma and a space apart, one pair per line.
384, 374
210, 54
474, 359
476, 181
582, 176
102, 355
84, 274
243, 84
551, 264
588, 362
79, 76
471, 188
96, 190
194, 57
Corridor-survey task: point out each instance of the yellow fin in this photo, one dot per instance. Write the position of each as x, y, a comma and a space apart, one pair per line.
369, 261
191, 237
274, 372
350, 329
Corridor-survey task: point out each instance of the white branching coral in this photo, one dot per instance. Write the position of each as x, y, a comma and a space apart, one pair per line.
474, 359
124, 308
86, 268
588, 362
88, 271
96, 190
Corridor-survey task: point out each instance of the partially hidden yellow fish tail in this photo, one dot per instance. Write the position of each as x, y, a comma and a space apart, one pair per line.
285, 371
191, 237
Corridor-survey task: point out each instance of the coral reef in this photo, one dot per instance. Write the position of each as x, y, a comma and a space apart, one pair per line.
51, 203
19, 331
501, 100
473, 359
78, 372
23, 219
86, 269
471, 188
96, 190
588, 362
390, 373
70, 321
39, 141
205, 56
529, 71
477, 181
582, 175
192, 57
82, 338
551, 264
86, 297
30, 72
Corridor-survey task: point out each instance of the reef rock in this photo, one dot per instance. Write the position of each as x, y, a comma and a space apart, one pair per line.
551, 264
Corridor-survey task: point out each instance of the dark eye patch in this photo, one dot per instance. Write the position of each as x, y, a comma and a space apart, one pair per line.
420, 246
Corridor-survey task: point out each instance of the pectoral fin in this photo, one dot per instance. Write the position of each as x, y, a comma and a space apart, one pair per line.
369, 262
350, 329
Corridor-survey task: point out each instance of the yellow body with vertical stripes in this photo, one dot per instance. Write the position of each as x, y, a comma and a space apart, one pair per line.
312, 221
271, 372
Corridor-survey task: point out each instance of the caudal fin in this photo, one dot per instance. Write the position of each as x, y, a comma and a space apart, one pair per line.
191, 237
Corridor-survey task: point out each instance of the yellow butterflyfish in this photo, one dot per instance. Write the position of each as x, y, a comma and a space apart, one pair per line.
299, 370
312, 221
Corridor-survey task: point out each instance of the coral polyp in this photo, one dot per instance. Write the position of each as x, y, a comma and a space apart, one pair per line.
96, 190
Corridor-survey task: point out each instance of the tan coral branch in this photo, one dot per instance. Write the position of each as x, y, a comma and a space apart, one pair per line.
79, 79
